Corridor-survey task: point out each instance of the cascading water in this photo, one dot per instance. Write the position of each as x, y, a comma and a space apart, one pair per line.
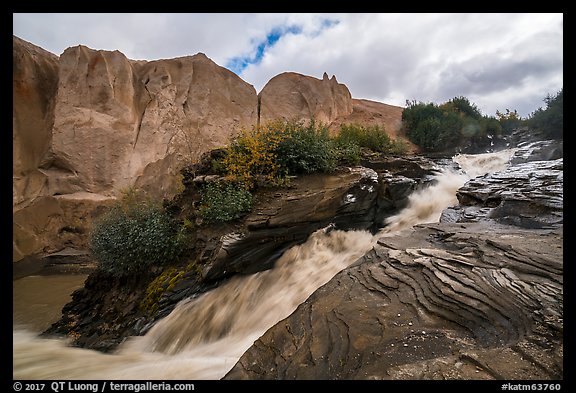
204, 337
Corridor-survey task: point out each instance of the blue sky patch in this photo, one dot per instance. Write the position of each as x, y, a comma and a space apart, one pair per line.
239, 63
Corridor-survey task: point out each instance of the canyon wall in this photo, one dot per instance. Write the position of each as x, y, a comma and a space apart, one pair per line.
89, 124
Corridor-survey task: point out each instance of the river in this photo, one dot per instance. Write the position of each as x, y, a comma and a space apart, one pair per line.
204, 337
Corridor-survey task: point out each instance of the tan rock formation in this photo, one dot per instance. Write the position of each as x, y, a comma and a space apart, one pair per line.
90, 123
114, 117
34, 85
293, 96
373, 113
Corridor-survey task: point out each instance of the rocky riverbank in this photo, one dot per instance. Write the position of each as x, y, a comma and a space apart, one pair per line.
478, 295
108, 310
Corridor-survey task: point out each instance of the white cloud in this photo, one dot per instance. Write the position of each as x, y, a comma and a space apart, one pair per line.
498, 61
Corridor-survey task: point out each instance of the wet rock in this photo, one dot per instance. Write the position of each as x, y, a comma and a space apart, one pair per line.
528, 195
538, 151
346, 199
445, 301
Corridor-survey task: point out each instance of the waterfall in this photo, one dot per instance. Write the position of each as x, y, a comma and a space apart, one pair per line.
204, 337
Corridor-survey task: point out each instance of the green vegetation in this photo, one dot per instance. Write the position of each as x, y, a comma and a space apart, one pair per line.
223, 201
134, 235
305, 149
458, 121
440, 127
164, 283
550, 120
270, 154
373, 138
509, 121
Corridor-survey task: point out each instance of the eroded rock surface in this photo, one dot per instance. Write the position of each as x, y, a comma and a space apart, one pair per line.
444, 301
529, 195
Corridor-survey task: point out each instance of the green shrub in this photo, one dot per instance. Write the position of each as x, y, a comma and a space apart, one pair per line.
374, 138
436, 128
277, 149
305, 149
134, 235
224, 201
349, 153
509, 121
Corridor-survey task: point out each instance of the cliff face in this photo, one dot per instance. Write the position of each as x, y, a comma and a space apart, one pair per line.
117, 120
91, 123
34, 86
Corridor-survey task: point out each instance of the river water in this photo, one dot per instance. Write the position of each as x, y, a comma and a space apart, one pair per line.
37, 301
203, 338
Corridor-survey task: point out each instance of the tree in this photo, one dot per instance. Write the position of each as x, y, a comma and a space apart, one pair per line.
550, 120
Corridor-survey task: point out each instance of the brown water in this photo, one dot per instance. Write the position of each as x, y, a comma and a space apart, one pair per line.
38, 300
204, 337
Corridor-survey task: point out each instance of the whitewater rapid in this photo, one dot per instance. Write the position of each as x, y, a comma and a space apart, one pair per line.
203, 338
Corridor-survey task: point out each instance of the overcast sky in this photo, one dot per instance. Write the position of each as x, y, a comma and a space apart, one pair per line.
497, 61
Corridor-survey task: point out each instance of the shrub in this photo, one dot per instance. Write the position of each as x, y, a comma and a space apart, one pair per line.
509, 121
277, 149
224, 201
305, 149
374, 138
252, 155
436, 128
134, 235
349, 152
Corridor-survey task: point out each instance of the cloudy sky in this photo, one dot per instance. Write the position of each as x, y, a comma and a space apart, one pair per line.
497, 61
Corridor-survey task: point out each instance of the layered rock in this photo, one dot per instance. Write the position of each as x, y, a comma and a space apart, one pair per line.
344, 200
476, 296
444, 301
293, 96
529, 195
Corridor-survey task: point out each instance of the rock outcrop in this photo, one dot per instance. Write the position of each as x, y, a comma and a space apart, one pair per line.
91, 123
533, 197
528, 194
117, 121
345, 200
293, 96
34, 86
444, 301
478, 295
